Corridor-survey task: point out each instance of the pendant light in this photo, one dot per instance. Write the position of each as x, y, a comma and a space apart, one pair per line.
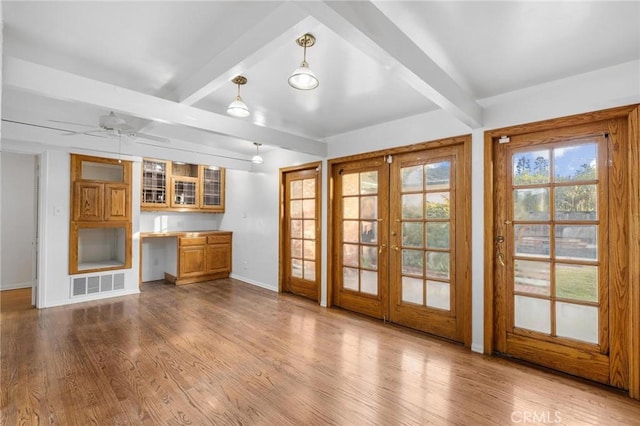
302, 77
237, 108
257, 159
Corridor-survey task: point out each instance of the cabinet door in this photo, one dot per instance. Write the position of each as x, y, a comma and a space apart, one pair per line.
185, 192
218, 258
212, 189
88, 201
116, 202
192, 261
155, 184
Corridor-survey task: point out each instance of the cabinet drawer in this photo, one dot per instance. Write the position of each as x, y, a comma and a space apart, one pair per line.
193, 241
218, 239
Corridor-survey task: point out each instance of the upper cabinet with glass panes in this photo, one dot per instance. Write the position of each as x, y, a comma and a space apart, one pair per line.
177, 186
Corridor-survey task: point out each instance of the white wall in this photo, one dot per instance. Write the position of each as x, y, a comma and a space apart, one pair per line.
252, 209
18, 220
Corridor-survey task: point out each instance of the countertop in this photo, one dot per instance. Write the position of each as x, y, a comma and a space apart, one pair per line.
181, 233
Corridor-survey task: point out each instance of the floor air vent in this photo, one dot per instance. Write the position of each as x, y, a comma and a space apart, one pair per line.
82, 286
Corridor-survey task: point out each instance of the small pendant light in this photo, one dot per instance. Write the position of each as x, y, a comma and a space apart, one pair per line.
257, 159
237, 108
302, 77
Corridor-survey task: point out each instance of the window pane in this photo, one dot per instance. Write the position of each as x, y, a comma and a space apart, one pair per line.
579, 282
310, 229
309, 208
296, 209
350, 231
438, 175
413, 234
576, 202
438, 295
351, 208
369, 183
531, 204
577, 322
296, 248
296, 189
575, 163
533, 314
412, 206
412, 289
309, 188
350, 184
437, 205
296, 229
309, 270
577, 242
438, 235
369, 207
350, 279
531, 240
369, 257
412, 262
531, 167
350, 255
309, 249
296, 268
411, 179
368, 232
369, 282
438, 265
532, 277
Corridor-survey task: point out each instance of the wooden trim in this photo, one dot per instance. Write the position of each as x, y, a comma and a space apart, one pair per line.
454, 140
634, 252
571, 120
488, 244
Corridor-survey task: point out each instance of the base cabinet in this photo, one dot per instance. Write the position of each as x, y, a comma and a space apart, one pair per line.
202, 257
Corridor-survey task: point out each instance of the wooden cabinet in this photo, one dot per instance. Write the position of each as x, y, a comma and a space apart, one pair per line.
202, 256
176, 186
100, 228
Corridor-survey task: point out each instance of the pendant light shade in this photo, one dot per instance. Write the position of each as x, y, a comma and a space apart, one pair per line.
257, 159
303, 78
238, 108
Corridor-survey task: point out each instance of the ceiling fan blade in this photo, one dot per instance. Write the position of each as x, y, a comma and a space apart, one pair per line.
71, 122
152, 137
88, 133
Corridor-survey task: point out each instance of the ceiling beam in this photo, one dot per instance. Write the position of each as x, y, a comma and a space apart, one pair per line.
255, 44
53, 83
370, 30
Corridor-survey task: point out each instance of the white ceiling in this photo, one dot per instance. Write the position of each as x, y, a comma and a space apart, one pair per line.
376, 61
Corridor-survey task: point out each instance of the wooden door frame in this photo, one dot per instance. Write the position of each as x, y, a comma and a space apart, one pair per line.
334, 163
317, 165
632, 114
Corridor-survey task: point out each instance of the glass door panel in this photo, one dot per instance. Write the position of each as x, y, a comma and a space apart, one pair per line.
301, 213
556, 294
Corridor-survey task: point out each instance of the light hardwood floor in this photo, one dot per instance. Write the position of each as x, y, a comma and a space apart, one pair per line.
226, 352
15, 300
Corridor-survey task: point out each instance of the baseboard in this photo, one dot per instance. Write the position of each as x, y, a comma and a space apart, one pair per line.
79, 299
15, 286
476, 347
253, 282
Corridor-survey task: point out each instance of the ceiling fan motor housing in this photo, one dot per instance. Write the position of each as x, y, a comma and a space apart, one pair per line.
111, 121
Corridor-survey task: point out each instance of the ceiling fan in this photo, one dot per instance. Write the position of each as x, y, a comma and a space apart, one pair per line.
112, 126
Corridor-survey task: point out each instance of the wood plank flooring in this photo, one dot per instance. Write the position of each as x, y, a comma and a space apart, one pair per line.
15, 300
226, 352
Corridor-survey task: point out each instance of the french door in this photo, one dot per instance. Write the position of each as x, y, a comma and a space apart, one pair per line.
401, 247
559, 251
300, 248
